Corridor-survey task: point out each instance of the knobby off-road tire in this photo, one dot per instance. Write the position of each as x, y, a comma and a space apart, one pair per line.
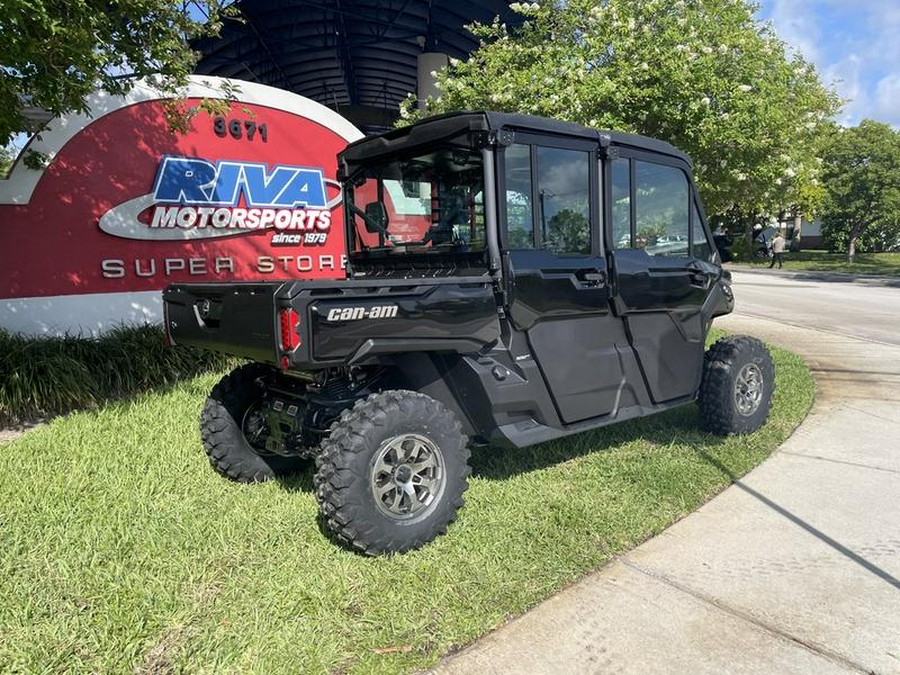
737, 386
392, 472
221, 430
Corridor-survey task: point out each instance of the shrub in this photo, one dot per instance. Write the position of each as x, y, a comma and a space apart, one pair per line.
46, 376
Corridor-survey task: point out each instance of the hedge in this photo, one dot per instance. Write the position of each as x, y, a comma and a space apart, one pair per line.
41, 377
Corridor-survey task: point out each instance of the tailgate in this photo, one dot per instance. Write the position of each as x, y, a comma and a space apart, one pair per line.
233, 318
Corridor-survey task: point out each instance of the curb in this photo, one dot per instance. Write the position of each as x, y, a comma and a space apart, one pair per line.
814, 275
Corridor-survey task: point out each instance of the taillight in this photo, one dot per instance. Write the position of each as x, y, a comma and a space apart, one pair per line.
290, 329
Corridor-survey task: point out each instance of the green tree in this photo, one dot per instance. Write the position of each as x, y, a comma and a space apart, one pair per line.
568, 231
54, 54
861, 175
702, 74
6, 162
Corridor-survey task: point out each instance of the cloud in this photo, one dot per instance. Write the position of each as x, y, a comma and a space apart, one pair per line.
855, 47
887, 98
847, 76
796, 27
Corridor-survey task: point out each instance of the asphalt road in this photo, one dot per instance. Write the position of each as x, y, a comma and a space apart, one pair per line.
849, 328
793, 569
863, 308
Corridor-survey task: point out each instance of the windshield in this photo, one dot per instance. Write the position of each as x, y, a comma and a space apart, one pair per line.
423, 204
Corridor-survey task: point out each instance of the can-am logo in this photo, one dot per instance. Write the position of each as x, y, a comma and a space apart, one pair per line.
194, 198
357, 313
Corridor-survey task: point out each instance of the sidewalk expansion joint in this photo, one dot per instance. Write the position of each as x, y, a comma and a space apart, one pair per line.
870, 413
741, 615
840, 461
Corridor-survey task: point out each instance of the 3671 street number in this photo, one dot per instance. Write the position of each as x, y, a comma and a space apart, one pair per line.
238, 129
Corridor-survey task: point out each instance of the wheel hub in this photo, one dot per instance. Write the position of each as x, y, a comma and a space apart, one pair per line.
407, 476
255, 428
748, 389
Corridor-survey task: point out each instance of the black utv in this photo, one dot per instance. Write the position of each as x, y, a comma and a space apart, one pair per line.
510, 280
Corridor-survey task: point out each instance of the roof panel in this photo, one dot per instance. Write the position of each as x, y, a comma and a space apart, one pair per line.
340, 52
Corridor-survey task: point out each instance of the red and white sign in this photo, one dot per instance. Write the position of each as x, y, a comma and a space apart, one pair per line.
126, 206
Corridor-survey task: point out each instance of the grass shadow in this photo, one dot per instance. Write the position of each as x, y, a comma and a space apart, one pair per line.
300, 480
663, 429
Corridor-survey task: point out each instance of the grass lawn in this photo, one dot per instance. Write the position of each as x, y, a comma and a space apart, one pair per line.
885, 264
122, 551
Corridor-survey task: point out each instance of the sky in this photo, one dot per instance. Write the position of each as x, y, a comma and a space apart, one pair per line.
855, 45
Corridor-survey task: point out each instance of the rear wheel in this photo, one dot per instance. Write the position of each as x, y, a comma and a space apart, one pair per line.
233, 429
737, 386
392, 472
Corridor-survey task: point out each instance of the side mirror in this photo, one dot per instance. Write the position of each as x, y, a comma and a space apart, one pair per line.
376, 218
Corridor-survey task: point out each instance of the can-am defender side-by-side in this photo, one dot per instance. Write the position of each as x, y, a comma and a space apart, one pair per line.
511, 280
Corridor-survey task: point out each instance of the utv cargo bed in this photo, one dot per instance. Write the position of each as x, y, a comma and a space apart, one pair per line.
327, 323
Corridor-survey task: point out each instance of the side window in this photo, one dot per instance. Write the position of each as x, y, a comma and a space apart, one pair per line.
563, 183
517, 171
700, 245
661, 209
621, 203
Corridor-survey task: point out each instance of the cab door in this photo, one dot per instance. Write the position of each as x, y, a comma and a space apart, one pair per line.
663, 268
557, 282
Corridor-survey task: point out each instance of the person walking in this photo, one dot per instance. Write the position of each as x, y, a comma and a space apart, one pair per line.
777, 250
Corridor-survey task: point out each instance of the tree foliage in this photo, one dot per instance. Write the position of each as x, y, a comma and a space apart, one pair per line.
702, 74
54, 54
861, 175
6, 162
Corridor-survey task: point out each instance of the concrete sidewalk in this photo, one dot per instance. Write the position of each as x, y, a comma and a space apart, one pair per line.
793, 569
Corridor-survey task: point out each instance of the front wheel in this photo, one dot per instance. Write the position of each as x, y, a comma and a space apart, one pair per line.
392, 472
737, 386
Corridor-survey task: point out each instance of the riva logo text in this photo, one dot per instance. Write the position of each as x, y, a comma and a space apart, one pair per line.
195, 198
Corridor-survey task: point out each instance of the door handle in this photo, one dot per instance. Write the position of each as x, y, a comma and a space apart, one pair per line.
591, 278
